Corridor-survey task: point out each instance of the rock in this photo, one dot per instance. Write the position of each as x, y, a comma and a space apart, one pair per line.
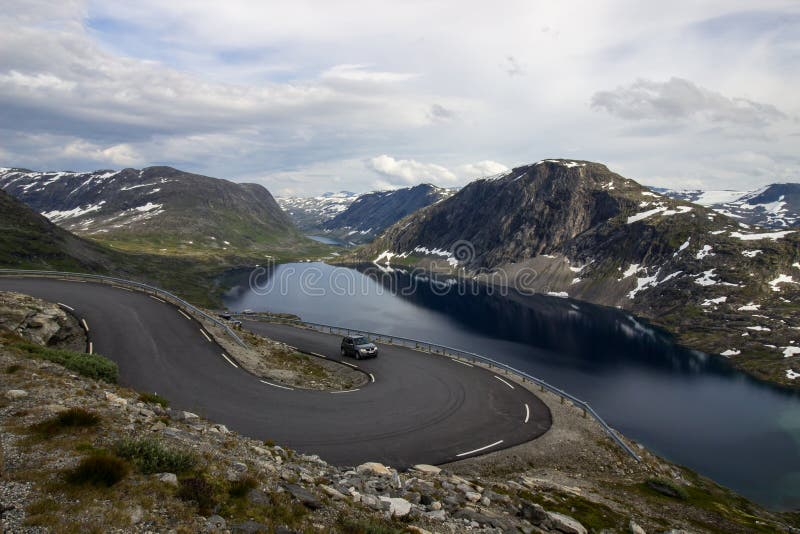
332, 492
565, 524
116, 399
436, 505
472, 496
158, 426
417, 530
374, 468
239, 467
136, 514
14, 394
485, 518
249, 527
168, 478
215, 523
260, 450
533, 512
436, 515
485, 501
635, 528
304, 496
222, 429
427, 469
371, 501
398, 507
256, 496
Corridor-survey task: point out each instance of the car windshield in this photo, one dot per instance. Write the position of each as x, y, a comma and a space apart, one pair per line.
360, 341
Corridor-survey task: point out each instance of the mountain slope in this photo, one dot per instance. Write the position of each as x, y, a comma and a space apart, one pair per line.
574, 228
157, 209
310, 213
775, 206
371, 213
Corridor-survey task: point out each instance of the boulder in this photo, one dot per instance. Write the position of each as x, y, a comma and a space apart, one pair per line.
374, 468
333, 493
304, 496
565, 524
14, 394
634, 527
398, 507
427, 469
215, 523
168, 478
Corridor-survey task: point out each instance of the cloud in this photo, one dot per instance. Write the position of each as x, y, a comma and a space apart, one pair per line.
408, 171
679, 99
481, 169
362, 73
439, 113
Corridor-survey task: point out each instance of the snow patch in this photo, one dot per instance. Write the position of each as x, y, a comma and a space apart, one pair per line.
705, 251
706, 278
730, 352
56, 215
781, 279
718, 300
788, 352
751, 253
767, 235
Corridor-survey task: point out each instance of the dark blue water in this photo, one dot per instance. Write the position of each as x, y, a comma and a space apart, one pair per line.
689, 407
327, 240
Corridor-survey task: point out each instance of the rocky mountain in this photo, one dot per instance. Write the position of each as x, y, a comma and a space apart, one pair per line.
576, 229
310, 213
372, 213
775, 206
157, 209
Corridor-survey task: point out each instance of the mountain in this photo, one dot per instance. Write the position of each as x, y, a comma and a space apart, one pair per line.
576, 229
774, 206
158, 209
309, 213
371, 213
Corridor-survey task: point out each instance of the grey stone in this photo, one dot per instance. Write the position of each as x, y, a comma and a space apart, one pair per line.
249, 527
533, 512
14, 394
215, 523
304, 496
565, 524
374, 468
436, 515
398, 507
635, 528
428, 469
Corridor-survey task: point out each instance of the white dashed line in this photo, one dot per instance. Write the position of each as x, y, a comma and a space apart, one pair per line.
85, 324
156, 298
124, 288
504, 382
275, 385
205, 335
318, 355
462, 363
70, 308
91, 348
181, 312
527, 413
345, 391
481, 449
229, 360
350, 364
372, 377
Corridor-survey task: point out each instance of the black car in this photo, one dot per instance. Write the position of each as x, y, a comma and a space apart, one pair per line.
358, 347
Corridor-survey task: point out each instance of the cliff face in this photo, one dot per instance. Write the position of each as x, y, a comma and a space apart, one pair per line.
576, 229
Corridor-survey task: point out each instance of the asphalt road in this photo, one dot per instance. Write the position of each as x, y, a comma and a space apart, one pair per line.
420, 409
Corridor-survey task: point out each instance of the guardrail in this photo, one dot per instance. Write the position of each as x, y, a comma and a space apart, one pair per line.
166, 295
434, 348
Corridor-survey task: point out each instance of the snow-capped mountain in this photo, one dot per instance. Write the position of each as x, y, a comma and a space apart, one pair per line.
155, 209
775, 206
310, 213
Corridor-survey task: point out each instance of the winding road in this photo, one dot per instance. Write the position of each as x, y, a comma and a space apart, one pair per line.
420, 408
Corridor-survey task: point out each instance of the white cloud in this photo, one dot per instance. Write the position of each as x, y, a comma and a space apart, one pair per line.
481, 169
362, 73
408, 171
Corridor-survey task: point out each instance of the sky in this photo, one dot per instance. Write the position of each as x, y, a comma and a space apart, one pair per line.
310, 96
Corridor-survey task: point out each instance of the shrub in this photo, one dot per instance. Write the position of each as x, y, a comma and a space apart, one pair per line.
668, 488
11, 369
150, 456
68, 419
199, 491
99, 470
349, 525
241, 487
89, 365
153, 398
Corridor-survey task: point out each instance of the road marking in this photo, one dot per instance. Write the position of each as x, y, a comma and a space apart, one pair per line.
318, 355
479, 450
504, 382
345, 391
181, 312
527, 412
205, 335
156, 298
85, 325
462, 363
350, 364
372, 377
124, 288
91, 348
70, 308
229, 360
275, 385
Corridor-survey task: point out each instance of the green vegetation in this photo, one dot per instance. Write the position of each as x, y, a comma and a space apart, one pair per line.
98, 470
199, 491
11, 369
89, 365
594, 516
667, 487
153, 398
240, 488
150, 456
350, 525
67, 420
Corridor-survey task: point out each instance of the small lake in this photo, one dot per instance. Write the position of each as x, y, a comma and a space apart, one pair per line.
689, 407
327, 240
